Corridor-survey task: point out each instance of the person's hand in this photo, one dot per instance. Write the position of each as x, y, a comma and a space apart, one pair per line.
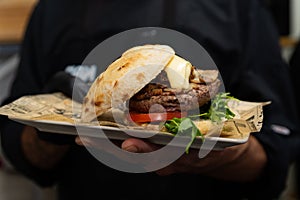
238, 163
241, 162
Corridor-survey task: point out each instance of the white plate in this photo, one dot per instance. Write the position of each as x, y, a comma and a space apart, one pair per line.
121, 134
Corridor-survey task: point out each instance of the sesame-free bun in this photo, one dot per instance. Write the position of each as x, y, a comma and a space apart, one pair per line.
124, 78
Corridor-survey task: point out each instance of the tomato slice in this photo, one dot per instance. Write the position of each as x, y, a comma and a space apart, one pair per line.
154, 117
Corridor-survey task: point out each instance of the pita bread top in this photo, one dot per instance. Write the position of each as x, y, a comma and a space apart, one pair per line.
124, 78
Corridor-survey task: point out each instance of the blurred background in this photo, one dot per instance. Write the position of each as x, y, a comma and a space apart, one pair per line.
14, 15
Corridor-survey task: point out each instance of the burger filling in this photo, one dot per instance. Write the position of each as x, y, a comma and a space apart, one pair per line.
203, 85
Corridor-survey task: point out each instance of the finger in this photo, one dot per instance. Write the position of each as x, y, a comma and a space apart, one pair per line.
78, 141
138, 146
85, 141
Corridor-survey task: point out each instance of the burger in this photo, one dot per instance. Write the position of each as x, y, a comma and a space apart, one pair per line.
151, 84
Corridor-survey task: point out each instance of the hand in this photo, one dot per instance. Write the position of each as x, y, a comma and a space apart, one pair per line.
238, 163
242, 162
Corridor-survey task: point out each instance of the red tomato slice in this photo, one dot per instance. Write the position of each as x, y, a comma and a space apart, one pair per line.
154, 117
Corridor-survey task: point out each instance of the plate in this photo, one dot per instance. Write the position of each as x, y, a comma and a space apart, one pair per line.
116, 133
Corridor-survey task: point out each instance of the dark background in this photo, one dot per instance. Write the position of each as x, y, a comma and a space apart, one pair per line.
280, 10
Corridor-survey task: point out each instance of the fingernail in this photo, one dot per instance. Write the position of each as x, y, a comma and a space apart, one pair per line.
131, 148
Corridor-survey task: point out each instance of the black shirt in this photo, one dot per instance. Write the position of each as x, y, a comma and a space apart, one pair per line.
239, 35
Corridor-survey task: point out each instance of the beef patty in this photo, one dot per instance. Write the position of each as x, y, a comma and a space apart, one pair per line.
172, 99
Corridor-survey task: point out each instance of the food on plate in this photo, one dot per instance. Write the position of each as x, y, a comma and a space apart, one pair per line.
209, 120
151, 85
155, 83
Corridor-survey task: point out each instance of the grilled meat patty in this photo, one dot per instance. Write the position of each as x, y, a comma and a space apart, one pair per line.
172, 99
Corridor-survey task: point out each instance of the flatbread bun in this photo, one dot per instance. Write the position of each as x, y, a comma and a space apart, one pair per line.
124, 78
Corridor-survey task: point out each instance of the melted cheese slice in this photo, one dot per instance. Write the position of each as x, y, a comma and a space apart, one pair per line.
178, 71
